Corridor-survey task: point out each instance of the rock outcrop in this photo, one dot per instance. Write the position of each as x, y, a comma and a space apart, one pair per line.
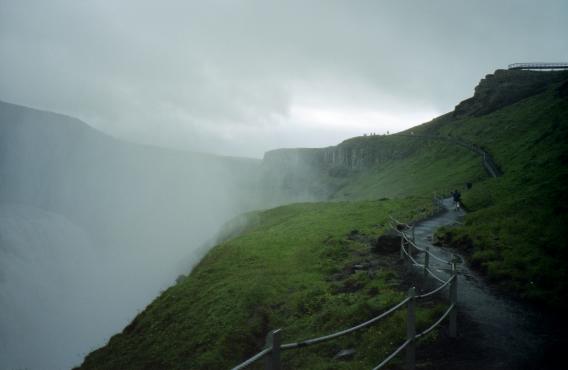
353, 154
307, 174
505, 87
303, 174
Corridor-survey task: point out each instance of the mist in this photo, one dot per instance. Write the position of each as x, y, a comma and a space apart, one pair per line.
164, 111
245, 77
93, 228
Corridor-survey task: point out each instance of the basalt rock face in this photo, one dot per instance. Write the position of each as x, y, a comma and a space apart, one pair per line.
351, 155
304, 174
506, 87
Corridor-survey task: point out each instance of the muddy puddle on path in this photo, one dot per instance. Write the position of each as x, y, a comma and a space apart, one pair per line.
494, 332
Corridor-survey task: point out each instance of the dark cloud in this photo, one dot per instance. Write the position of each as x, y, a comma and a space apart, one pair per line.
231, 76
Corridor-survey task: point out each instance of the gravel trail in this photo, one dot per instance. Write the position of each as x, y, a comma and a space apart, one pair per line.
494, 332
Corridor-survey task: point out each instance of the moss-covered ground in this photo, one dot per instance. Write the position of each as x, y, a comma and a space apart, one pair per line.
292, 268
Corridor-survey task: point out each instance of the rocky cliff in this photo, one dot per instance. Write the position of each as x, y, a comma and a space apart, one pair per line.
305, 174
505, 87
353, 154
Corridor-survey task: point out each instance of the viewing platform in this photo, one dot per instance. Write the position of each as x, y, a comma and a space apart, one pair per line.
530, 66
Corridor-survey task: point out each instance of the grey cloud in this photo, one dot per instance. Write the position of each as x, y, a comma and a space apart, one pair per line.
126, 66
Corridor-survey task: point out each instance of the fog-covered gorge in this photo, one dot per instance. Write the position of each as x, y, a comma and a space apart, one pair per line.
92, 228
51, 291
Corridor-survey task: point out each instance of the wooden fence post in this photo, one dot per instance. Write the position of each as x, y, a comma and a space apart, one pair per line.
454, 301
273, 358
426, 260
411, 330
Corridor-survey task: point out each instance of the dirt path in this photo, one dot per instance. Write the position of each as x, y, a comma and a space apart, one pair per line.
493, 332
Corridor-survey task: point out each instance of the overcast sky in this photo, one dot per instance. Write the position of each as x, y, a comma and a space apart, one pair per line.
243, 77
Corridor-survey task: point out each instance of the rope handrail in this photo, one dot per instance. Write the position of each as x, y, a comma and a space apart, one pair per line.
392, 355
415, 263
254, 358
409, 240
434, 291
423, 266
439, 259
346, 331
273, 346
412, 259
400, 223
433, 326
407, 342
405, 237
435, 276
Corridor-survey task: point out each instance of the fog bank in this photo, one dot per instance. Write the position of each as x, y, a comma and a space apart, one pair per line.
92, 228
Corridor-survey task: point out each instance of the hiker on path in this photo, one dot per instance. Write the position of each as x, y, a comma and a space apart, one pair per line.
457, 196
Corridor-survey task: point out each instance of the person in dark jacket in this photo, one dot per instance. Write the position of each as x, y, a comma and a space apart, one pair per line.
457, 197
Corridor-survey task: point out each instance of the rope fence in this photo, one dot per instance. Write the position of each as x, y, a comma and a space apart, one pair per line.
273, 348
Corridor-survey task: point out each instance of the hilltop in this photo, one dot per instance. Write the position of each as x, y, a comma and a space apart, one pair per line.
276, 272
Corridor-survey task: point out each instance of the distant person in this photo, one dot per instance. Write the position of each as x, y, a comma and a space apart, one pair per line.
457, 197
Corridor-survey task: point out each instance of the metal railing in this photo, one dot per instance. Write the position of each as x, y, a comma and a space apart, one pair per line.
273, 348
538, 66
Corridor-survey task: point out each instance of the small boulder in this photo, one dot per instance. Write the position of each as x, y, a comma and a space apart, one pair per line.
389, 242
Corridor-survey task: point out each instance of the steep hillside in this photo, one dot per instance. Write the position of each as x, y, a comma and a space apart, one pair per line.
143, 214
369, 167
515, 229
290, 267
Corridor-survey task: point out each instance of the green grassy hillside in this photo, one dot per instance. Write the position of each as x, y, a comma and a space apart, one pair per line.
292, 268
432, 166
388, 166
515, 231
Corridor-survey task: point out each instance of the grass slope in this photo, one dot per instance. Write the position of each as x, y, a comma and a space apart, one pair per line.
432, 166
290, 269
515, 231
